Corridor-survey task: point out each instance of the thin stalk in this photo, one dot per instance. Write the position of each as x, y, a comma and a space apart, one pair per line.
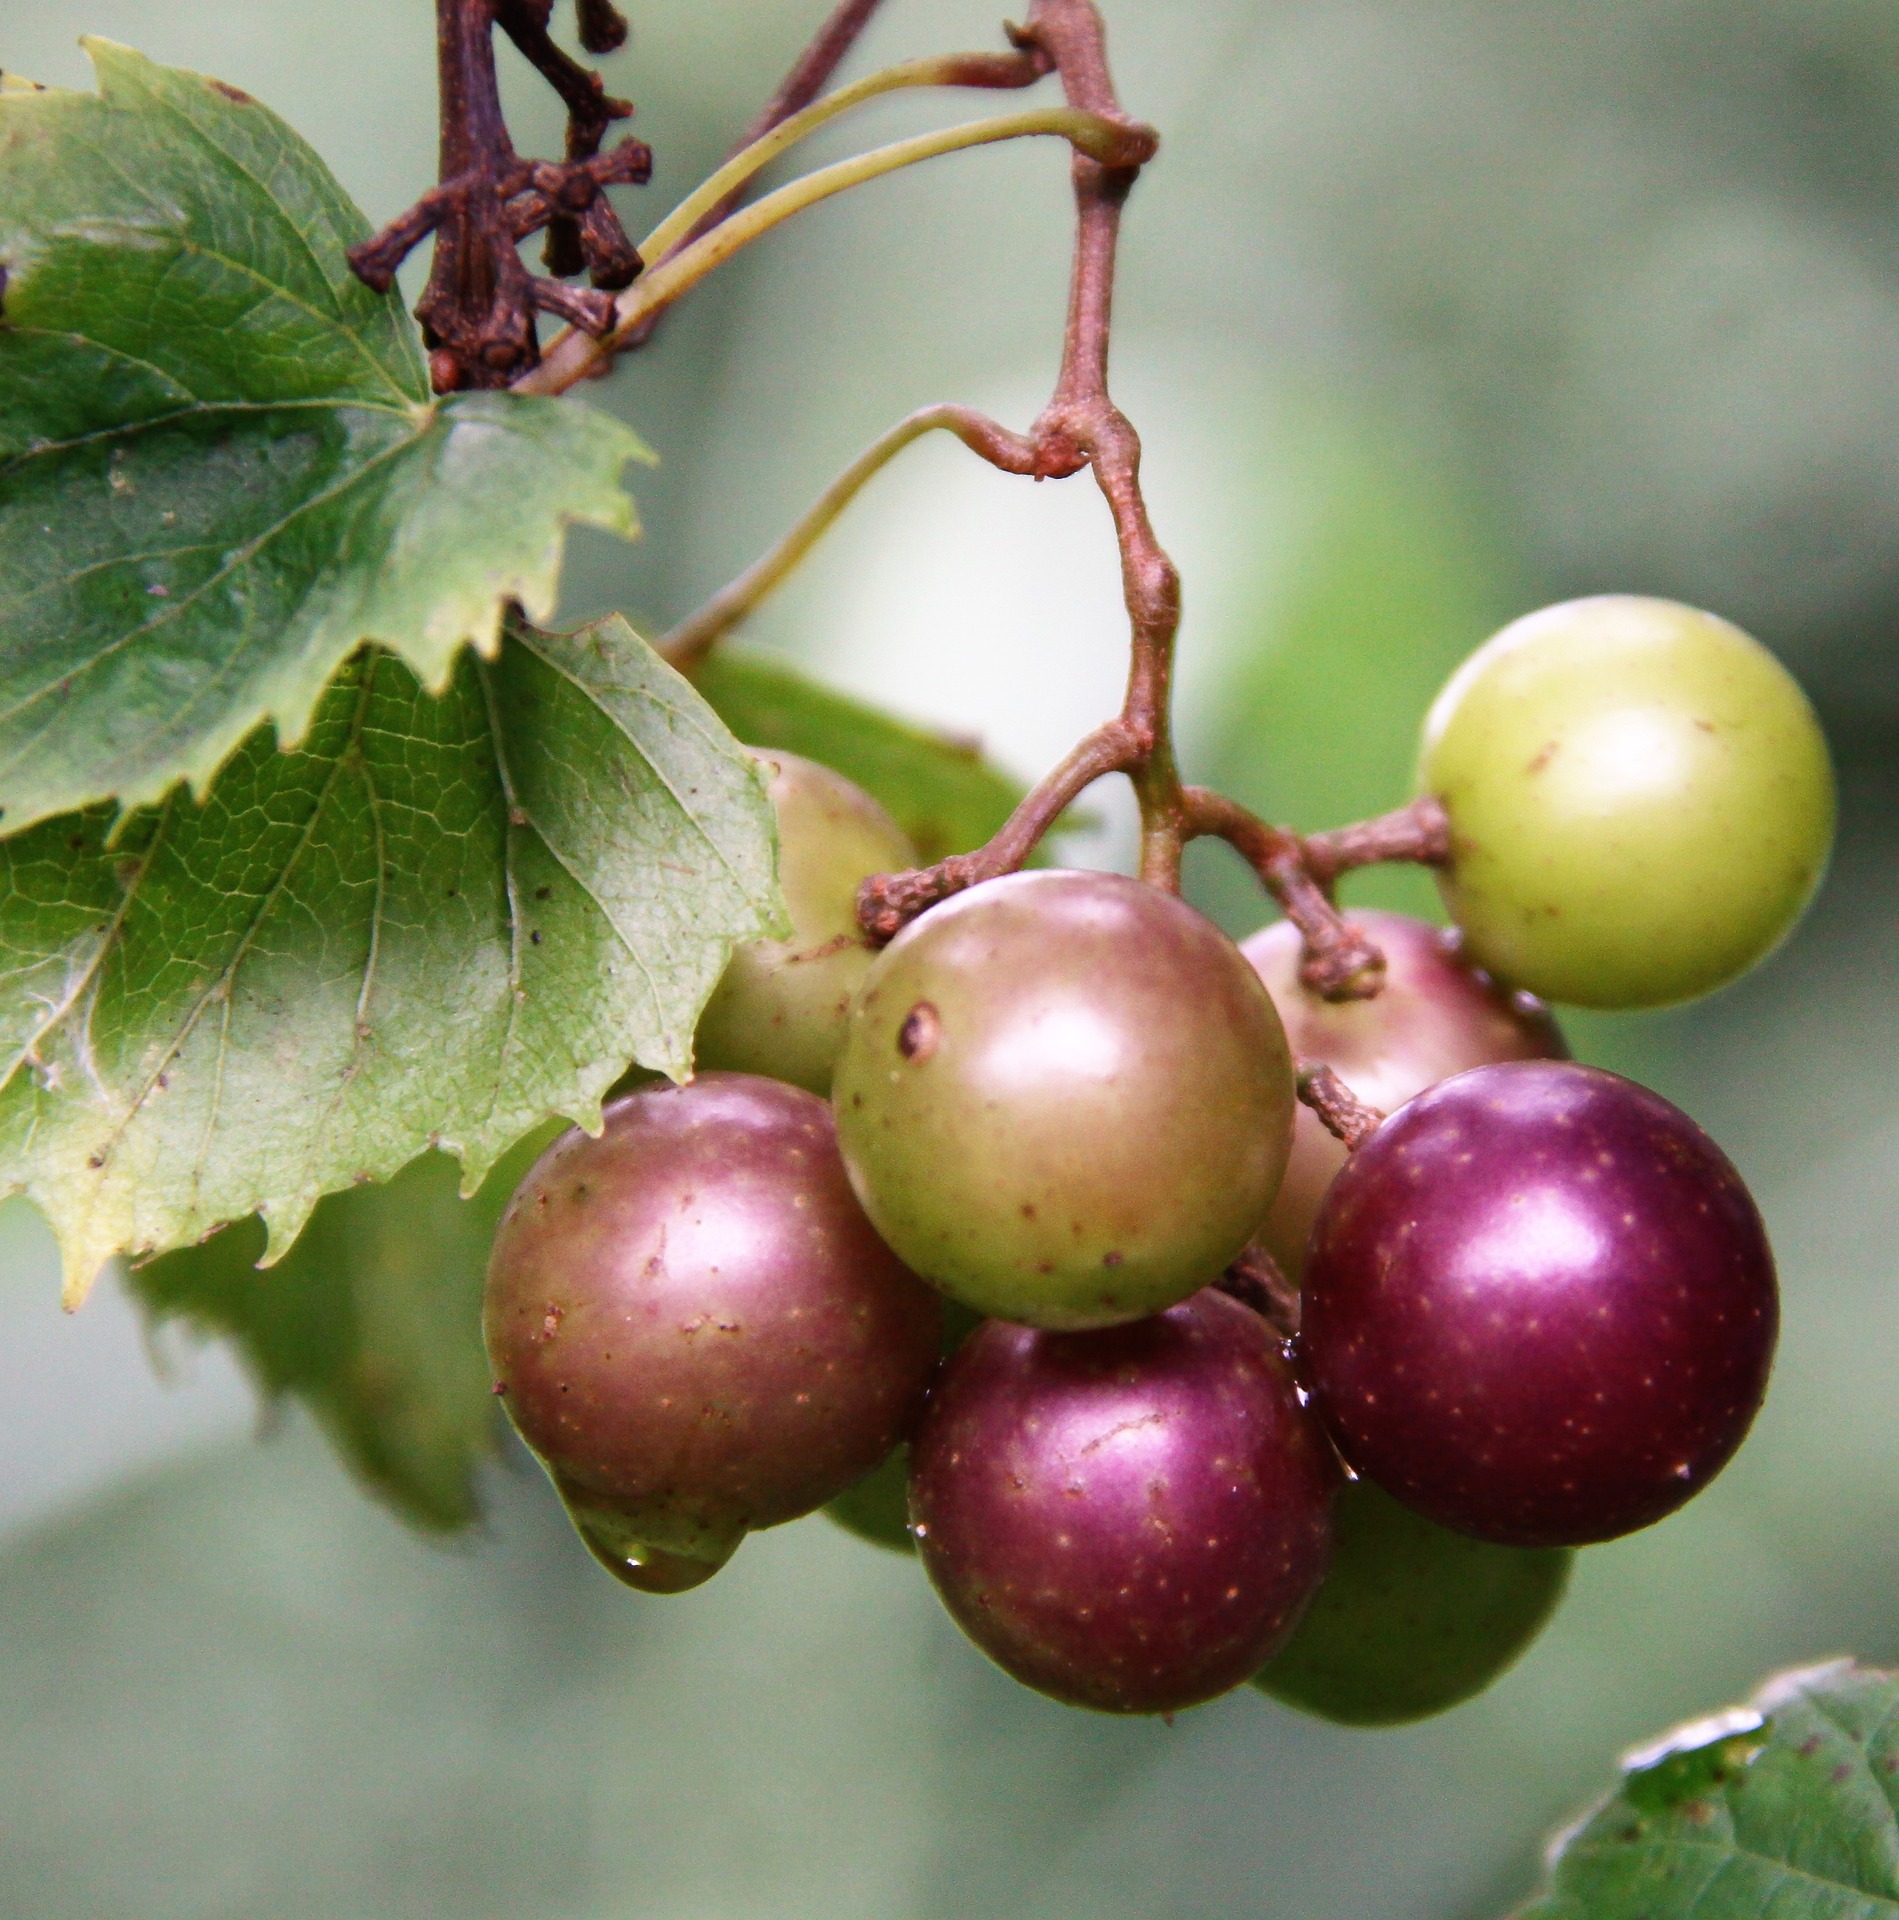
887, 902
1343, 1114
939, 70
574, 356
695, 636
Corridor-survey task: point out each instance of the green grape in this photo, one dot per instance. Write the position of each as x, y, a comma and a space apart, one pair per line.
877, 1507
1064, 1098
1640, 800
779, 1008
1412, 1618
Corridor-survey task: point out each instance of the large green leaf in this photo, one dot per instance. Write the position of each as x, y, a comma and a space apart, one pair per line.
939, 789
1784, 1810
372, 1320
220, 468
434, 922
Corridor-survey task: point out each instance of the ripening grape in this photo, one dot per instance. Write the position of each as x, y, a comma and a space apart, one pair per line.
1436, 1016
1412, 1618
1064, 1098
779, 1006
695, 1328
1130, 1519
1539, 1306
1640, 801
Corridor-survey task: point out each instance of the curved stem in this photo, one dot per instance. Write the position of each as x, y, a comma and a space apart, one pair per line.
574, 356
694, 636
1339, 963
886, 902
941, 70
1420, 833
1344, 1115
810, 74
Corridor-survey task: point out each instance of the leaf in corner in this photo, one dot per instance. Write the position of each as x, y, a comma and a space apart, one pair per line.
220, 466
434, 922
372, 1320
939, 789
1787, 1809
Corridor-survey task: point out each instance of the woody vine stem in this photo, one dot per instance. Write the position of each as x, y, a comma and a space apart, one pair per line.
479, 317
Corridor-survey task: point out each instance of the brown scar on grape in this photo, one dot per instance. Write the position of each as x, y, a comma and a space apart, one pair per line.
917, 1037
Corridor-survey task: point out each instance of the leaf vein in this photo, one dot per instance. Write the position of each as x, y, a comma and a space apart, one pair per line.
241, 557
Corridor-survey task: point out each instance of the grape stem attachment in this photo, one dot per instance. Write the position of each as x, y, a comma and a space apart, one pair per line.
1081, 427
1256, 1280
1345, 1116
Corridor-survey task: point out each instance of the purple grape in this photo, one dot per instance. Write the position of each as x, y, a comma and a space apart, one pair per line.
1539, 1306
694, 1326
1437, 1015
1131, 1519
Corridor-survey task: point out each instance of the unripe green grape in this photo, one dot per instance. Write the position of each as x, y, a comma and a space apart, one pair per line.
779, 1008
1064, 1099
1412, 1618
877, 1507
1640, 801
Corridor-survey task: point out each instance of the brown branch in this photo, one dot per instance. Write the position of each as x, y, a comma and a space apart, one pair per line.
1256, 1280
887, 902
591, 234
602, 26
1346, 1117
811, 72
478, 312
1338, 963
809, 76
1420, 833
1082, 427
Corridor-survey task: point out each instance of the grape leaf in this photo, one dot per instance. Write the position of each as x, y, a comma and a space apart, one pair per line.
220, 466
436, 921
1787, 1809
372, 1320
939, 789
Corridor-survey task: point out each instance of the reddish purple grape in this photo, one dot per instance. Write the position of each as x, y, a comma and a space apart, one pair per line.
1539, 1306
1131, 1519
696, 1328
1436, 1015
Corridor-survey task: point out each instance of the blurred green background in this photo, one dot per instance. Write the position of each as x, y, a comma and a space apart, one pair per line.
1433, 310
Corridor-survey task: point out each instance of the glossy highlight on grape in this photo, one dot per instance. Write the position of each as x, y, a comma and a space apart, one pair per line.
1540, 1307
1064, 1098
692, 1324
1132, 1519
1640, 801
1436, 1015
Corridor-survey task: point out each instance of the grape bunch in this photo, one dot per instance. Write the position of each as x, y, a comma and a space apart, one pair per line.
1000, 1301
